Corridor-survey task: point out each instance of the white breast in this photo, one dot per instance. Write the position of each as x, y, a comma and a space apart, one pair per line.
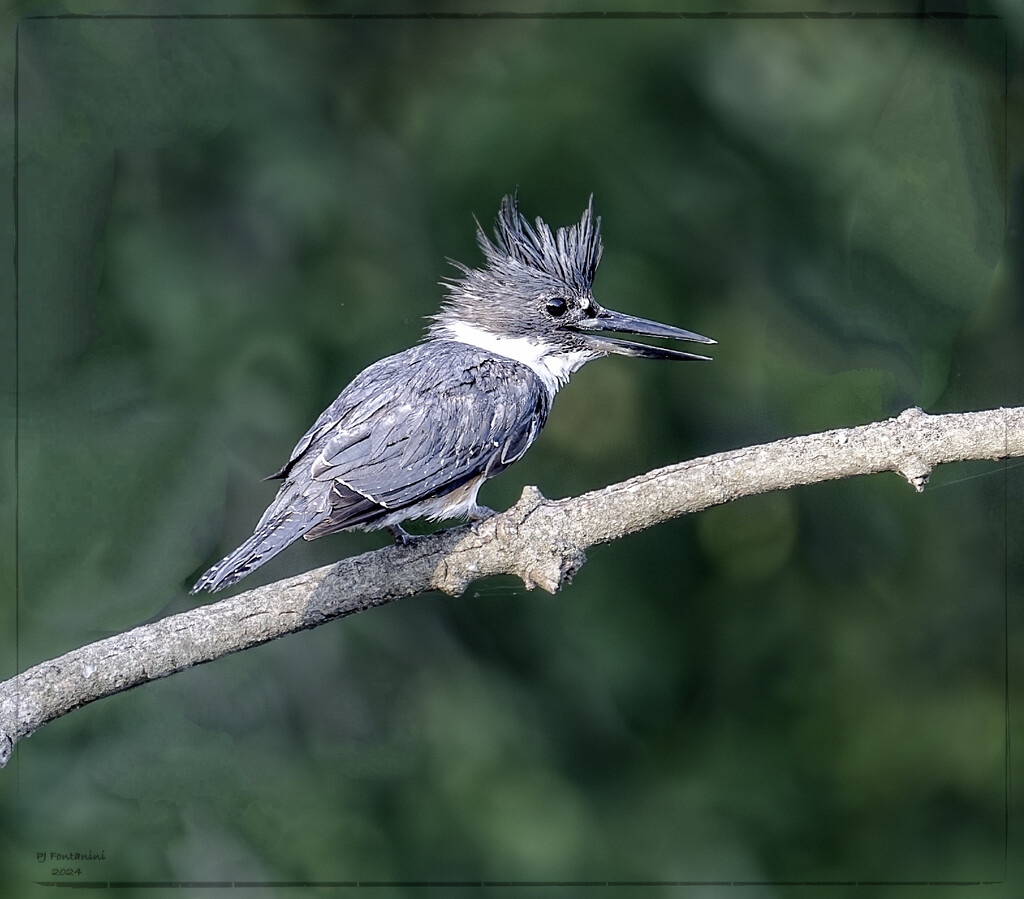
551, 365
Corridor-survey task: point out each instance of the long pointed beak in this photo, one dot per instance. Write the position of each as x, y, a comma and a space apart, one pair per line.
609, 321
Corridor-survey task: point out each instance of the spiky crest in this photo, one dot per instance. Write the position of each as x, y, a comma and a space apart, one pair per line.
570, 255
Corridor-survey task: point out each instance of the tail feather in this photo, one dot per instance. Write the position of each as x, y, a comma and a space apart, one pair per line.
269, 539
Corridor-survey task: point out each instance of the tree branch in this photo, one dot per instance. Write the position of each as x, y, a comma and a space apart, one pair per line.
541, 541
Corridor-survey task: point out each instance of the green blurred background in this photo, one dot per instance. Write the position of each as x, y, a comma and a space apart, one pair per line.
223, 220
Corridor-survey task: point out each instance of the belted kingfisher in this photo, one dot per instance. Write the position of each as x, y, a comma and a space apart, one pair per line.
415, 435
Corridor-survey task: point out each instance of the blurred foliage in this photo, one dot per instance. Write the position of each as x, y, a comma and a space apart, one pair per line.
223, 220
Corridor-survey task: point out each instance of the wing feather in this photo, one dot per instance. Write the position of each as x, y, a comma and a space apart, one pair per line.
460, 414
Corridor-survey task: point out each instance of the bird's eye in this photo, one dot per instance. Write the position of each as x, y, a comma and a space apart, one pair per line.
556, 307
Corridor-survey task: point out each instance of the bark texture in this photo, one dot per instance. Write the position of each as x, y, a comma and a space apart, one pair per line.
541, 541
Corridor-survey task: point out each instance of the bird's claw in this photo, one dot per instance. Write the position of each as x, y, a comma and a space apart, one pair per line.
402, 536
478, 516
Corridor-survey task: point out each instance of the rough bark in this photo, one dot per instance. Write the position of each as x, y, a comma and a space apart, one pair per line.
541, 541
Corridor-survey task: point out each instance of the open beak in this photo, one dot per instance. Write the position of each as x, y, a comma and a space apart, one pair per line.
608, 321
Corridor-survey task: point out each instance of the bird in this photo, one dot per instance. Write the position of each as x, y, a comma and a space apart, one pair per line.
416, 434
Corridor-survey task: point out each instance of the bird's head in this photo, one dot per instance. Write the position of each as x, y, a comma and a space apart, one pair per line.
536, 286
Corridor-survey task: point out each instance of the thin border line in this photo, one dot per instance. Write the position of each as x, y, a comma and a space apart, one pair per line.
243, 884
508, 15
582, 15
1006, 475
17, 408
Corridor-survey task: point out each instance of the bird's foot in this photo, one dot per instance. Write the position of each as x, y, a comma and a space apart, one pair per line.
478, 515
402, 536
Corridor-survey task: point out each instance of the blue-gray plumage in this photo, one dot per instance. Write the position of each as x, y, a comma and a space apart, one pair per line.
416, 434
